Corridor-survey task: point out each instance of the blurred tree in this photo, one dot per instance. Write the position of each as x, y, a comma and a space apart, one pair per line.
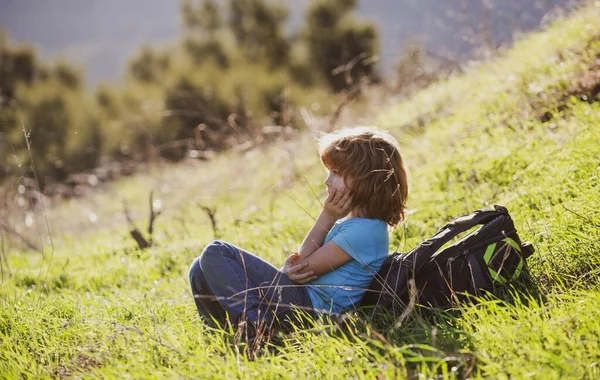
149, 66
201, 51
17, 65
202, 23
48, 123
196, 118
341, 48
49, 103
67, 75
206, 16
324, 14
257, 26
108, 100
243, 47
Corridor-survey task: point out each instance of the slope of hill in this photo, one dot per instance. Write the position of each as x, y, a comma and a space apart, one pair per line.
522, 130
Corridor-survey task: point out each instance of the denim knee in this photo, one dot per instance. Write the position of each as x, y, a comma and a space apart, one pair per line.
194, 269
212, 253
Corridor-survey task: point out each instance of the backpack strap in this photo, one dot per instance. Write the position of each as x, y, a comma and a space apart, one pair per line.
420, 255
527, 249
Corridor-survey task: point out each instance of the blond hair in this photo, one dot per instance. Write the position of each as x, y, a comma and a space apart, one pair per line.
369, 160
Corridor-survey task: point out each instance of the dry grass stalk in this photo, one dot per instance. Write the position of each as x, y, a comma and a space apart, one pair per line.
142, 242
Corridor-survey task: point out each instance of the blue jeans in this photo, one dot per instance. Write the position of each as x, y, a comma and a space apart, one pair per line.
228, 281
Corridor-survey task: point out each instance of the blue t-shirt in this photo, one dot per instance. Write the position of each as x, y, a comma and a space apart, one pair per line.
367, 241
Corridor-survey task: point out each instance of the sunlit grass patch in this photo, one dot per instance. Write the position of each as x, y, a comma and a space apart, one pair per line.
552, 340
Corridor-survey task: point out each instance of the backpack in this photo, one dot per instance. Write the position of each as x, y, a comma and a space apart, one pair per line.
485, 260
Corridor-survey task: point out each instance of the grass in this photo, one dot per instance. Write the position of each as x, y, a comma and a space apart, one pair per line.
510, 131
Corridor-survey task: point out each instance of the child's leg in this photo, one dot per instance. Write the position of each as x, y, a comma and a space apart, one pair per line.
205, 301
247, 286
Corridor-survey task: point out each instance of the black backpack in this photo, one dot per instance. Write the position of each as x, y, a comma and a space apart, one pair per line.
485, 260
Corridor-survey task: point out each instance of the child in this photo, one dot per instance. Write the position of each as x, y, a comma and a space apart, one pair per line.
367, 190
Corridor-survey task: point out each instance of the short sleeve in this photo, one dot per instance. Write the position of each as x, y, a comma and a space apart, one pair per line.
362, 242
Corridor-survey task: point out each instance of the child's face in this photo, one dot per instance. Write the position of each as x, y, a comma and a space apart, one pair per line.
334, 181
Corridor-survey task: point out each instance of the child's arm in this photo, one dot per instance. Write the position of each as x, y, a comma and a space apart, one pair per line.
323, 260
295, 271
337, 206
316, 236
313, 258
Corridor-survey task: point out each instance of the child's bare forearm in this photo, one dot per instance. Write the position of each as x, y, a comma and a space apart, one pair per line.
316, 236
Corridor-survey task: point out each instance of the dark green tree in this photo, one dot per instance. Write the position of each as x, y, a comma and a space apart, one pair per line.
149, 66
341, 48
205, 16
257, 26
203, 23
197, 118
49, 103
67, 75
17, 65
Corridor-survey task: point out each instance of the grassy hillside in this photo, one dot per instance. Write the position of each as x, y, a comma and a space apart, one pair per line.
522, 130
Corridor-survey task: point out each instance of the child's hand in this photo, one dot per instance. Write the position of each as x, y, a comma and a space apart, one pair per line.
293, 271
338, 203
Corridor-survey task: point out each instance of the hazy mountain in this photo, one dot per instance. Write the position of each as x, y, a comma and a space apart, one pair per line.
102, 35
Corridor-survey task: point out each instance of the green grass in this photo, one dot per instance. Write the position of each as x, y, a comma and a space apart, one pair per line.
103, 309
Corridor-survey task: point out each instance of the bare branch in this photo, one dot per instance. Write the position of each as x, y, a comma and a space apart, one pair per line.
348, 97
353, 93
347, 67
137, 235
135, 232
213, 219
153, 216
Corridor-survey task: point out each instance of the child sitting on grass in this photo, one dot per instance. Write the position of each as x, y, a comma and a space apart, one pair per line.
367, 190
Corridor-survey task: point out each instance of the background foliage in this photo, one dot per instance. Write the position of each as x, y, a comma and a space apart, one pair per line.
234, 70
